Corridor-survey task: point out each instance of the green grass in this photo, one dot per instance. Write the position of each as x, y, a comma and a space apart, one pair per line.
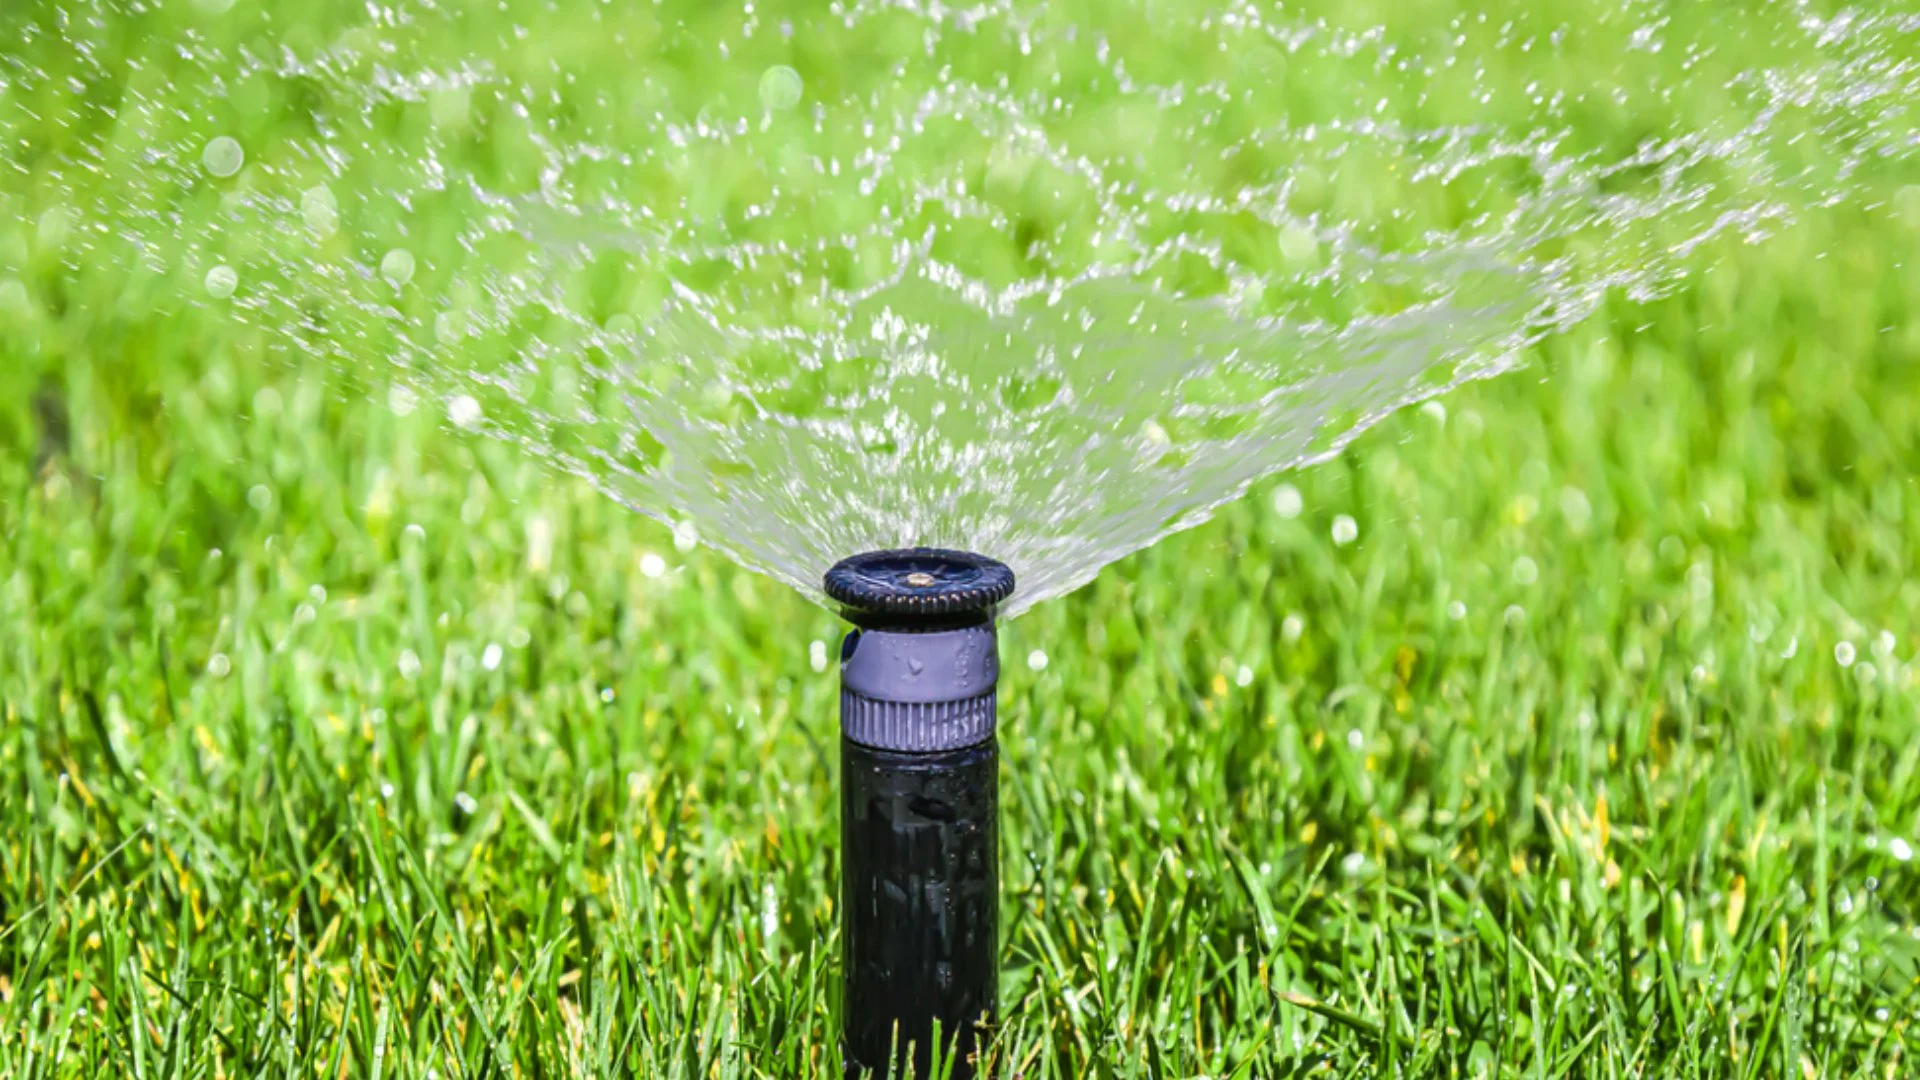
336, 743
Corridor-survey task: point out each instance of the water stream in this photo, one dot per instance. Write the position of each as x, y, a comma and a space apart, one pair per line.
1041, 280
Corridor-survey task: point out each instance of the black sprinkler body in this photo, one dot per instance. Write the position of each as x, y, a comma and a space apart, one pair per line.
919, 809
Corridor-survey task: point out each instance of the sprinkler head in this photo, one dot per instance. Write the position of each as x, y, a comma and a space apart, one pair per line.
918, 673
913, 586
919, 808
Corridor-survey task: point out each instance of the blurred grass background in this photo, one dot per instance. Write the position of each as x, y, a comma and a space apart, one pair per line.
337, 743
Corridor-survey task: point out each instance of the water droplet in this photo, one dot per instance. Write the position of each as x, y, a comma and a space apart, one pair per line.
409, 665
1345, 530
1436, 411
1576, 509
260, 497
1900, 849
1843, 653
319, 210
780, 88
449, 327
1883, 644
214, 7
1456, 611
222, 281
652, 565
1037, 660
1299, 245
1292, 627
450, 107
607, 695
1356, 740
686, 536
386, 791
1515, 615
817, 655
54, 227
466, 803
769, 911
464, 412
219, 666
1287, 501
490, 658
402, 399
1243, 677
398, 267
223, 157
1525, 571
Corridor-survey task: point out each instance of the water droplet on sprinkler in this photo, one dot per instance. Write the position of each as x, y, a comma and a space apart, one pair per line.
780, 88
223, 157
222, 281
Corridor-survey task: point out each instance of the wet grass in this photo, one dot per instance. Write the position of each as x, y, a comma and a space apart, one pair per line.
338, 744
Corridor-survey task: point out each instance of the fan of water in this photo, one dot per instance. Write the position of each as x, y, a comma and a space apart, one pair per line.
1040, 280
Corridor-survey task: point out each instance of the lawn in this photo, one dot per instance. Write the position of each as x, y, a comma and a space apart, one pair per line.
1561, 727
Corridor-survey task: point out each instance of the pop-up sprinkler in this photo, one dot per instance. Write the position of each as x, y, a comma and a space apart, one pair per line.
919, 808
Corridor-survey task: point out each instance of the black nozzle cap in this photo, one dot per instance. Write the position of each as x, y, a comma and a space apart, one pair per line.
919, 582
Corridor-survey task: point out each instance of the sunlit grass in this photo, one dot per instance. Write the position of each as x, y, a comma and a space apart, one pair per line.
340, 743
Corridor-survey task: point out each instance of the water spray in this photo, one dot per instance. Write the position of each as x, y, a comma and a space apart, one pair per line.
919, 808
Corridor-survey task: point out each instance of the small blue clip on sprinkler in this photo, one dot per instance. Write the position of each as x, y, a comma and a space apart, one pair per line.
919, 809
